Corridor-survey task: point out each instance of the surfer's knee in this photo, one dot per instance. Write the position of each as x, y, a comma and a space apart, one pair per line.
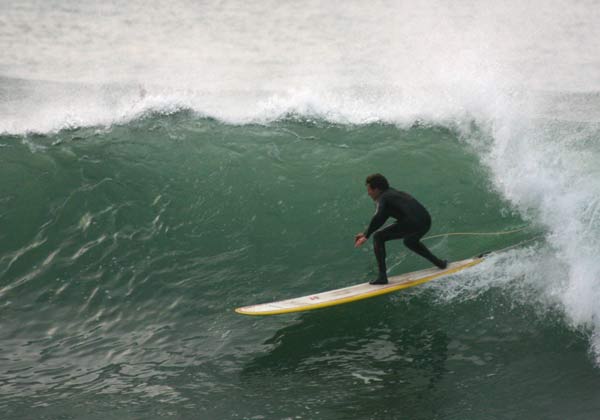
411, 242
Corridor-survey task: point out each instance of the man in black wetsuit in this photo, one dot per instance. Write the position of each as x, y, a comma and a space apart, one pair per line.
412, 222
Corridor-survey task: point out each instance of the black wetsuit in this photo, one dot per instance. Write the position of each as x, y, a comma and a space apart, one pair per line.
412, 222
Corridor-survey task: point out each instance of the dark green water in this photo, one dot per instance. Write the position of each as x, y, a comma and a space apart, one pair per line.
125, 251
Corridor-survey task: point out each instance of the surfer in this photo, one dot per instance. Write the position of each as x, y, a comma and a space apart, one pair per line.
412, 222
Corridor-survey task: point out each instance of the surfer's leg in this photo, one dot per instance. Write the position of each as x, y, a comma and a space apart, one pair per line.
393, 231
413, 242
379, 249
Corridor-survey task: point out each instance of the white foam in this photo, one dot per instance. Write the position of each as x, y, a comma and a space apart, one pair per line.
244, 62
547, 169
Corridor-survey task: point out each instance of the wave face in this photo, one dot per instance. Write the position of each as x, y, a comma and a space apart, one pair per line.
161, 165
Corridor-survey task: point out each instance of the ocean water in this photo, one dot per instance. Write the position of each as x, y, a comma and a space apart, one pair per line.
164, 163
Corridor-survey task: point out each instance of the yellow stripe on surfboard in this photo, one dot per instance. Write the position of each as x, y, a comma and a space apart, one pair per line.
356, 292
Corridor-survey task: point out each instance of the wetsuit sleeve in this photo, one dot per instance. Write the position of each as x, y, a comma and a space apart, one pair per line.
378, 219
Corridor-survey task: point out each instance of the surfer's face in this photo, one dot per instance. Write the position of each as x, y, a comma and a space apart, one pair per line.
373, 192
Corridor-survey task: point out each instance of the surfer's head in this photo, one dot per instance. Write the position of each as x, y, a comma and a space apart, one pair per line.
376, 184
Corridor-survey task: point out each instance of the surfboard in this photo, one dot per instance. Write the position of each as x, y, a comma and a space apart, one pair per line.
356, 292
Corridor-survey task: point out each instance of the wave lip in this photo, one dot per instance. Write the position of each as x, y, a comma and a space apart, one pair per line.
47, 107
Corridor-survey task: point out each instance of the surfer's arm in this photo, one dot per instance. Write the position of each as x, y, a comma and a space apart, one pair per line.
378, 219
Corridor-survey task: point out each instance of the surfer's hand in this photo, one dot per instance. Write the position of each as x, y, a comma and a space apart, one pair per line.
359, 239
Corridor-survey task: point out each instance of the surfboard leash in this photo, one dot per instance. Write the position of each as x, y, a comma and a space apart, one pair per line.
503, 232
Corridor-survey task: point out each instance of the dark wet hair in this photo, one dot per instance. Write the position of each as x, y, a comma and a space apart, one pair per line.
377, 181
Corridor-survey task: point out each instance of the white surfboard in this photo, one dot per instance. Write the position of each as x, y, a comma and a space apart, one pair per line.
357, 292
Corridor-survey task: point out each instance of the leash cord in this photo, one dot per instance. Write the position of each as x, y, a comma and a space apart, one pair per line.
503, 232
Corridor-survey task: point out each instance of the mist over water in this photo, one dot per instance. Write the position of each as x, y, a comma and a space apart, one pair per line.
162, 161
392, 62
